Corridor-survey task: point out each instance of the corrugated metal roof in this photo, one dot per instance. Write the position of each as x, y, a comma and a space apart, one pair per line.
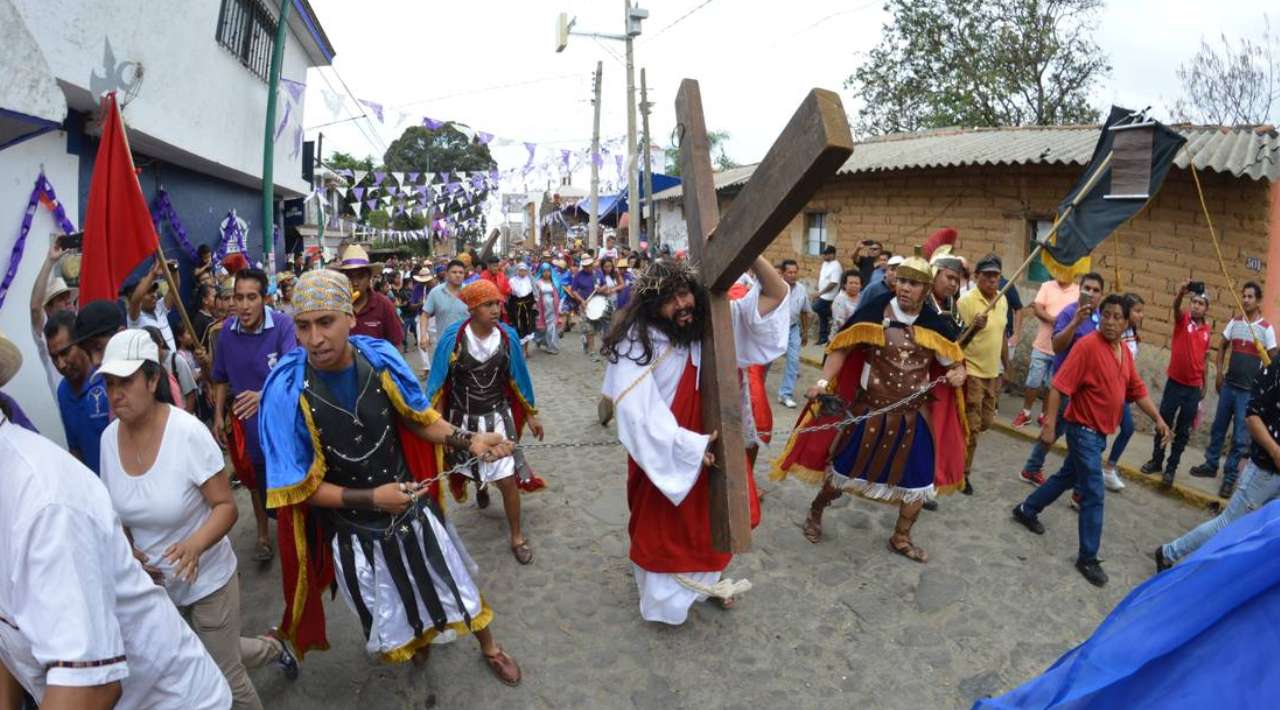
1241, 151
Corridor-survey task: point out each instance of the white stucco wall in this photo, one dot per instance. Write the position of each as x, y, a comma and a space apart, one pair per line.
672, 229
195, 96
19, 166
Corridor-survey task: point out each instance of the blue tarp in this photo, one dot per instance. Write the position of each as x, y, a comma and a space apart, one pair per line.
1205, 634
613, 206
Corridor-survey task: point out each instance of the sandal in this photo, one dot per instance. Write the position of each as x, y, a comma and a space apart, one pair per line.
909, 551
504, 667
812, 528
264, 553
421, 656
522, 553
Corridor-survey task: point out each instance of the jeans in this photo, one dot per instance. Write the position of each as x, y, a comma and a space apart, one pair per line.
1257, 488
1122, 439
1178, 407
1232, 403
1035, 462
1082, 471
787, 388
822, 307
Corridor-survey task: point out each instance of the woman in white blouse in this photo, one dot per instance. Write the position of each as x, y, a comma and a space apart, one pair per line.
847, 300
167, 481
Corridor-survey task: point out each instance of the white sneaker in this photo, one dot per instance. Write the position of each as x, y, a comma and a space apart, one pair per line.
1111, 479
788, 402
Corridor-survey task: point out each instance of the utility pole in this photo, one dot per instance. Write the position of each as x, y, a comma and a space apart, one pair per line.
633, 206
648, 159
593, 226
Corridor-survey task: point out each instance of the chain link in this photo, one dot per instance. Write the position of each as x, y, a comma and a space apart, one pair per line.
464, 466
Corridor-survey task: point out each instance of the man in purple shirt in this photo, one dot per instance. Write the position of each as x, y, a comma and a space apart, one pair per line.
252, 340
585, 283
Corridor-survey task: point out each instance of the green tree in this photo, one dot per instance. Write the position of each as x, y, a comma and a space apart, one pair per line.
720, 160
420, 149
339, 161
980, 63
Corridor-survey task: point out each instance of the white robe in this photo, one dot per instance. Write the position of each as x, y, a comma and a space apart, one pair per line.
671, 456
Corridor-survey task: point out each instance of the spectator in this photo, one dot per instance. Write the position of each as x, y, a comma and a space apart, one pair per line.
86, 628
443, 304
1131, 339
847, 300
1073, 322
1052, 297
828, 287
883, 267
866, 258
985, 352
182, 381
1185, 384
798, 302
10, 363
47, 298
145, 305
1260, 483
1243, 337
1099, 377
76, 348
166, 479
376, 315
584, 285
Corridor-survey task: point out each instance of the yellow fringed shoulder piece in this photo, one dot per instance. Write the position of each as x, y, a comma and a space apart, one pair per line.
302, 490
934, 341
426, 417
857, 334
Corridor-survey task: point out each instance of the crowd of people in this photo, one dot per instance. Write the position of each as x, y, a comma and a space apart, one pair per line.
294, 385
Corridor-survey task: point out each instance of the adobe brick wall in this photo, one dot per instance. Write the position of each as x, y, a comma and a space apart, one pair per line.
1165, 244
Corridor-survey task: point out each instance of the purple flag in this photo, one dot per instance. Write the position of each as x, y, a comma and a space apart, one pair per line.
413, 177
564, 158
372, 204
378, 178
431, 123
483, 137
617, 159
295, 88
375, 107
391, 189
597, 160
532, 148
359, 191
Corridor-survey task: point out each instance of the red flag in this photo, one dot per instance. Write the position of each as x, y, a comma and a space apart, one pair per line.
118, 232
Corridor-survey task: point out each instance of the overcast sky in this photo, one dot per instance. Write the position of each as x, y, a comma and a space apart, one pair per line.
492, 64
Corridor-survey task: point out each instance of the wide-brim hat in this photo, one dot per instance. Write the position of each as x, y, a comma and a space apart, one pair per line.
57, 287
10, 360
355, 257
424, 275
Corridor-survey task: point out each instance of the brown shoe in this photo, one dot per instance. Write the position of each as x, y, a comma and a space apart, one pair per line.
482, 498
504, 667
522, 553
812, 528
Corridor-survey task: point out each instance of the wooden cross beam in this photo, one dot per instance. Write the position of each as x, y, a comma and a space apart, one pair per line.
815, 143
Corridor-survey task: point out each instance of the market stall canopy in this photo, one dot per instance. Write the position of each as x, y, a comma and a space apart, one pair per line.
613, 206
31, 103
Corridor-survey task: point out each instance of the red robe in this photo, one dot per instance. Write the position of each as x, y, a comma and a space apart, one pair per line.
668, 538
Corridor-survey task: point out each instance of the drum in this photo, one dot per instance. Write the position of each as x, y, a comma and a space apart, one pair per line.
597, 307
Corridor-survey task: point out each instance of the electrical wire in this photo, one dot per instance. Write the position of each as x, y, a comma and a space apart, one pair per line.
496, 87
350, 93
373, 144
679, 19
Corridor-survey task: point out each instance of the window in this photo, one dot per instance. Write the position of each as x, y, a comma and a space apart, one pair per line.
1037, 230
815, 232
248, 30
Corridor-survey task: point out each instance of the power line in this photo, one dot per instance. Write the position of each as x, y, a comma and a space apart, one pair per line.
373, 144
350, 93
680, 19
496, 87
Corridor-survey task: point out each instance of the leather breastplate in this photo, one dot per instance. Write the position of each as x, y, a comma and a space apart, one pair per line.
477, 387
361, 448
898, 368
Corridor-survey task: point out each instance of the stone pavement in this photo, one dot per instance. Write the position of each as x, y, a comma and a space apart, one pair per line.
840, 624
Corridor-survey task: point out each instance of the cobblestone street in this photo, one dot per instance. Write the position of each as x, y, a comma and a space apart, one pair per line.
840, 624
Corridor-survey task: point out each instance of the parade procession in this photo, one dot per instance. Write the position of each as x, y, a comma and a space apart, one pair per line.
733, 355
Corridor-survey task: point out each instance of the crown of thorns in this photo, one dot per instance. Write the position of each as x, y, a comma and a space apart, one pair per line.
664, 277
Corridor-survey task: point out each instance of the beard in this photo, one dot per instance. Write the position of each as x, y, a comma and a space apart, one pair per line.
682, 335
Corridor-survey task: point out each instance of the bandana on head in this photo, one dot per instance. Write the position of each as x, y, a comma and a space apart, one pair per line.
323, 290
479, 292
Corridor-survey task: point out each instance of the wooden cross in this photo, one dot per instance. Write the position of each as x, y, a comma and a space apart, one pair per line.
815, 143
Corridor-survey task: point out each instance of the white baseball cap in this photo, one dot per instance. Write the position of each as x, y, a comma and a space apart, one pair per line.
126, 351
896, 260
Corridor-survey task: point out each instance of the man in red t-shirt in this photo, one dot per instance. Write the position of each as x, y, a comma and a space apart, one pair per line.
1185, 385
376, 315
1099, 376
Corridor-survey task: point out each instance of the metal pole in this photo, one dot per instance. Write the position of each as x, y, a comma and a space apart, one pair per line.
593, 223
651, 222
318, 162
268, 141
633, 189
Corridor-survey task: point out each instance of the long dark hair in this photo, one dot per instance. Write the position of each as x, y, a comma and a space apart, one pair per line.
155, 371
661, 281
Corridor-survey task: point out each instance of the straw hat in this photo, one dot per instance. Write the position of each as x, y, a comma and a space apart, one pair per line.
57, 287
424, 275
355, 257
10, 359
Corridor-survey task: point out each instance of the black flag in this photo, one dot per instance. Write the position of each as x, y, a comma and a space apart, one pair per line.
1116, 195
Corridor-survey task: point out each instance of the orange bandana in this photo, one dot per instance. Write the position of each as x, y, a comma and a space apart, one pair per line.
478, 293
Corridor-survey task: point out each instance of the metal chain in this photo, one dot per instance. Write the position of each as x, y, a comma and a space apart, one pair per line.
464, 466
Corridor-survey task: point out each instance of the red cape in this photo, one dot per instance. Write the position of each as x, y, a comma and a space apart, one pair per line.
672, 538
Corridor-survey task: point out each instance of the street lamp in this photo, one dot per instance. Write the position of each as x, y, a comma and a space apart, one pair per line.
633, 17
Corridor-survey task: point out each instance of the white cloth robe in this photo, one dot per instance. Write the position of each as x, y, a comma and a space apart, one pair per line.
671, 456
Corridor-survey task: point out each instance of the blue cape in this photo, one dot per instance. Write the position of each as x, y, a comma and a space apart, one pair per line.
518, 369
1200, 635
289, 457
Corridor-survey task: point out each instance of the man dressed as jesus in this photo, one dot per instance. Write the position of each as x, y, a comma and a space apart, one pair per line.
655, 351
